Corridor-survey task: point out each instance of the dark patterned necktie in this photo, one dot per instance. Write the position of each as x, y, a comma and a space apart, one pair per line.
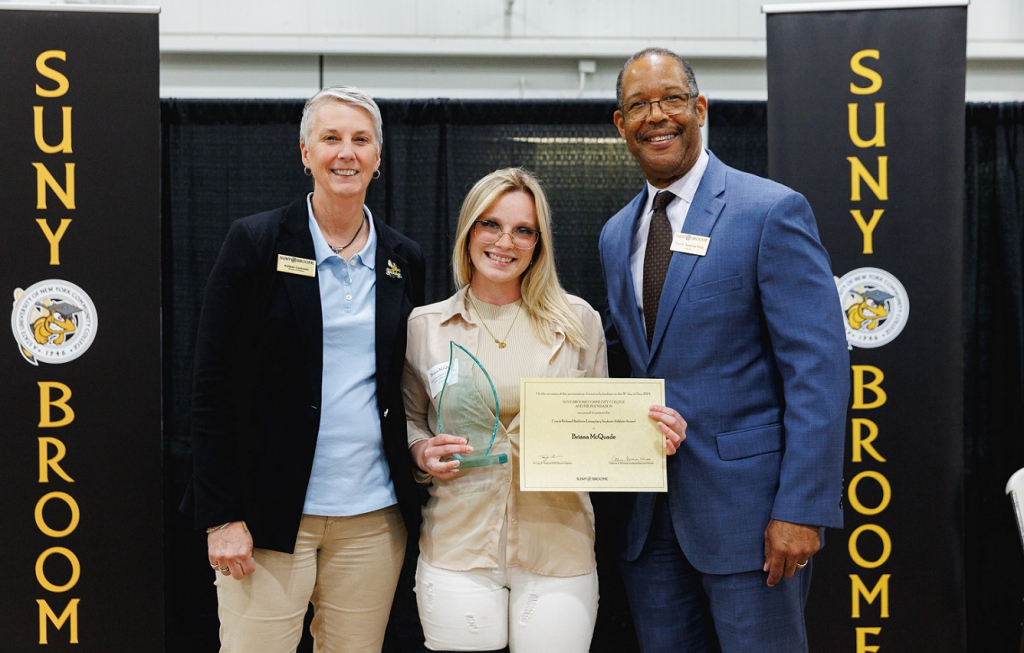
656, 260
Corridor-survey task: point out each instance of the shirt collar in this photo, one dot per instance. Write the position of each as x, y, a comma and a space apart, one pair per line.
683, 188
323, 250
456, 306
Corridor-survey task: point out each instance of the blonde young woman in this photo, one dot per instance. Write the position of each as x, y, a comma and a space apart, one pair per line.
498, 567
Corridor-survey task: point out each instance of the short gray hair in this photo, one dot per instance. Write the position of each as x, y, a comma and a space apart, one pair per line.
691, 80
349, 95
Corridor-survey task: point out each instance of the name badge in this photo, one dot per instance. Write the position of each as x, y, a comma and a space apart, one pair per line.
305, 267
437, 374
690, 244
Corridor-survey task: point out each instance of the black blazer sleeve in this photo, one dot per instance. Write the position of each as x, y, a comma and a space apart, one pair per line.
220, 343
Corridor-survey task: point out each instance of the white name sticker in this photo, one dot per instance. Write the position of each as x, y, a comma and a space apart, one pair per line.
690, 244
437, 375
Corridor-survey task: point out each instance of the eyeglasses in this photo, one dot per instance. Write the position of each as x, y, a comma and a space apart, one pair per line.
670, 105
490, 232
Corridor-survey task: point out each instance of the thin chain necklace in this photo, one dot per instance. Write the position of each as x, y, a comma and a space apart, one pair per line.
500, 343
337, 250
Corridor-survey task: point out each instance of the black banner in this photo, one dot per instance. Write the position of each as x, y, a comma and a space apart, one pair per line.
80, 518
866, 118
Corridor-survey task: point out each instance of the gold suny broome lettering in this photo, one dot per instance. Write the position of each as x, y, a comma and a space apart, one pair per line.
54, 409
879, 184
868, 393
44, 177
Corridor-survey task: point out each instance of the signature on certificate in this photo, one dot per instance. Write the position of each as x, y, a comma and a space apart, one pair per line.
631, 460
552, 459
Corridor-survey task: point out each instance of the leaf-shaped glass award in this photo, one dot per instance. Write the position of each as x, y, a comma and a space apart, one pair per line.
467, 411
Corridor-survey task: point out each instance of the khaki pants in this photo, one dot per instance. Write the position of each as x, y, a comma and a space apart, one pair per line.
346, 566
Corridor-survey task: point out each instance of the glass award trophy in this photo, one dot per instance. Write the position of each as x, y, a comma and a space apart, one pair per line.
466, 411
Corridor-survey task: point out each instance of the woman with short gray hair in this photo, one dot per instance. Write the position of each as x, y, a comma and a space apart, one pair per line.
303, 480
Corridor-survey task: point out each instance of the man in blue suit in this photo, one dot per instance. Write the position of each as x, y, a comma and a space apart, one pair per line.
718, 283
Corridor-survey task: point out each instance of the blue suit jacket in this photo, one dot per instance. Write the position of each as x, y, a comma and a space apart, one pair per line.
750, 341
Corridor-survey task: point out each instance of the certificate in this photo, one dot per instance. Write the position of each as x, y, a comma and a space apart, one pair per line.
591, 435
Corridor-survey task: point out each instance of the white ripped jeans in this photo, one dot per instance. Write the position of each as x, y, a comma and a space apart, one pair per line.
487, 609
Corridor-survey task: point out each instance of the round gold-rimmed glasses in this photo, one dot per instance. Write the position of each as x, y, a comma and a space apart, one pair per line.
490, 232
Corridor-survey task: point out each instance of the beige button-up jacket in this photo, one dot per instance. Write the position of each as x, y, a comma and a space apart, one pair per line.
549, 533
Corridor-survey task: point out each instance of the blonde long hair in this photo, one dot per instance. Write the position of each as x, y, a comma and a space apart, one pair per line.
545, 300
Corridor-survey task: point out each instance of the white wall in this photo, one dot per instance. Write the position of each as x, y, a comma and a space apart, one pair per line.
501, 48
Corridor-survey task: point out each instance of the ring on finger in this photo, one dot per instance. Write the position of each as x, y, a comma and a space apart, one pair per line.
215, 565
801, 565
225, 571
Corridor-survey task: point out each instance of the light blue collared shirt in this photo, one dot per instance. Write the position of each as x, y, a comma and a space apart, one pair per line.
350, 472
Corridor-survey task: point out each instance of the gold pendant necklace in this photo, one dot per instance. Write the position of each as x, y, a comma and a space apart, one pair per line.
500, 343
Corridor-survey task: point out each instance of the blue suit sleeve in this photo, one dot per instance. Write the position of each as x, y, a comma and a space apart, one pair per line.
618, 361
804, 320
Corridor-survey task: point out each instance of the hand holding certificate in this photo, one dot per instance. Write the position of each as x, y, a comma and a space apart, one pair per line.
592, 435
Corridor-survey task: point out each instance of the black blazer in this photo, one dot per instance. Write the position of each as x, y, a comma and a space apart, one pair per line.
258, 374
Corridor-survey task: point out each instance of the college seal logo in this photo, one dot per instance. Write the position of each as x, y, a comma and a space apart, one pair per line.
875, 307
54, 321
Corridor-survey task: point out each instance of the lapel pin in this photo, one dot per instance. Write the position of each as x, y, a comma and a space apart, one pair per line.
393, 270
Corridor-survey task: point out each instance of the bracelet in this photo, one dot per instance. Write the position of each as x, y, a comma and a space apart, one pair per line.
225, 525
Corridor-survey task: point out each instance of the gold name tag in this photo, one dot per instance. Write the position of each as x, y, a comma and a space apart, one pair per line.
690, 244
295, 265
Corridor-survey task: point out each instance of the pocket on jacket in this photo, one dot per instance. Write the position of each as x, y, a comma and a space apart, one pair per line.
734, 445
710, 289
576, 374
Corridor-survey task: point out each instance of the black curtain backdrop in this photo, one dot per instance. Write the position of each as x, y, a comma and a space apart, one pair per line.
994, 371
226, 159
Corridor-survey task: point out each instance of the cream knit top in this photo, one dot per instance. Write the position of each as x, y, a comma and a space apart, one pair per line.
521, 357
547, 533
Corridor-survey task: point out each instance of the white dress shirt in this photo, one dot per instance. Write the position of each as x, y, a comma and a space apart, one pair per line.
684, 189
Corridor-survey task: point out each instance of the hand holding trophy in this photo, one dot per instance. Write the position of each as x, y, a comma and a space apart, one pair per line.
467, 411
